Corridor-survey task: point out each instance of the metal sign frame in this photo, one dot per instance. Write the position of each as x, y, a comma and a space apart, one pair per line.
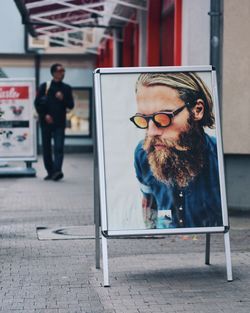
100, 178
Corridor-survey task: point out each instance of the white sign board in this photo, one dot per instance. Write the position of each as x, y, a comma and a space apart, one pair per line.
17, 124
160, 154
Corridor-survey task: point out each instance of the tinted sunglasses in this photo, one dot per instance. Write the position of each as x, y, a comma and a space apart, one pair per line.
61, 70
161, 119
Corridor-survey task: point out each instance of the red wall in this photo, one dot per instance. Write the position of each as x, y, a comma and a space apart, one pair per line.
164, 21
164, 32
167, 38
105, 58
177, 32
130, 50
153, 32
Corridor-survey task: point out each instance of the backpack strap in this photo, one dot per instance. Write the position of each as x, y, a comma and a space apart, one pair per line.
48, 83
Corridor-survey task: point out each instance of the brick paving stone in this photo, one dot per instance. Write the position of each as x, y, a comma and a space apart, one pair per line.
147, 275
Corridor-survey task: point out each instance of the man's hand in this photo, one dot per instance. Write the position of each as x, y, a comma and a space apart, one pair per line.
48, 119
149, 210
59, 95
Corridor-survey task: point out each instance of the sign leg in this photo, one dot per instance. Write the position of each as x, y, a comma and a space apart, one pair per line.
96, 219
96, 203
28, 164
207, 254
97, 246
105, 261
228, 257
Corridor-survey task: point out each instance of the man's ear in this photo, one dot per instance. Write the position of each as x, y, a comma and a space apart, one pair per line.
198, 110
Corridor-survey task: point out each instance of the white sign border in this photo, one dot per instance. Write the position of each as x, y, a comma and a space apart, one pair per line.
101, 157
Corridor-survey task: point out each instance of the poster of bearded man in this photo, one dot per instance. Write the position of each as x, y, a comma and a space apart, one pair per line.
160, 151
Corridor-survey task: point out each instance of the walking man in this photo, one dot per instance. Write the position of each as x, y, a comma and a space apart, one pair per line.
53, 100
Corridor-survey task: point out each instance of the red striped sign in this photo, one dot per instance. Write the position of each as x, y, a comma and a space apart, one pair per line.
14, 92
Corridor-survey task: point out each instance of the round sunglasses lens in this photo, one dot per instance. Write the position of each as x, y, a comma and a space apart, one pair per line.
162, 119
140, 121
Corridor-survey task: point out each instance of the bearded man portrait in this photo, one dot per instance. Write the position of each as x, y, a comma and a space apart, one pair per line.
176, 164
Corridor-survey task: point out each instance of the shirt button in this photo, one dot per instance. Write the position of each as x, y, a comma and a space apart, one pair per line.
181, 194
180, 208
181, 221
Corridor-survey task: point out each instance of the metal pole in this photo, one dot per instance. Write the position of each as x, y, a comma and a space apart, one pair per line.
216, 39
207, 255
96, 196
97, 225
228, 257
37, 60
96, 215
28, 164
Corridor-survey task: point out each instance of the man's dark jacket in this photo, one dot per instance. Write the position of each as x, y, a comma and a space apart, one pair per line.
49, 104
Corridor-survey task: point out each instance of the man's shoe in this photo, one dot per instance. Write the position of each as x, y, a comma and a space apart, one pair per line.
48, 177
57, 176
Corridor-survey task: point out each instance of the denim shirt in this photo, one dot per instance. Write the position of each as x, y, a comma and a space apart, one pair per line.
197, 205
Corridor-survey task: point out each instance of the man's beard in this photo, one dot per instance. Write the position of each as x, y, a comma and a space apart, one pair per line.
180, 161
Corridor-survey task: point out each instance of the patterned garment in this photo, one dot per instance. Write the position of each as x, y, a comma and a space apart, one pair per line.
197, 205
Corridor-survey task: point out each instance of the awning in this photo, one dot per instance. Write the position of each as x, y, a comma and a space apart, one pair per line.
75, 25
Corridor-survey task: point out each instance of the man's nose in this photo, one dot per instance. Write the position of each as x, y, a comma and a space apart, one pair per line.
153, 130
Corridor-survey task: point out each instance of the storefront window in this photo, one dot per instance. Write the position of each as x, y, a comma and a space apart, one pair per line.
78, 119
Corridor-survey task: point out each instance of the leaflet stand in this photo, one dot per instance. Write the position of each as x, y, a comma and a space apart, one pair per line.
104, 240
100, 192
17, 126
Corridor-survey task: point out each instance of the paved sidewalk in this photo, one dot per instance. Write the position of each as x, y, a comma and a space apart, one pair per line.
146, 275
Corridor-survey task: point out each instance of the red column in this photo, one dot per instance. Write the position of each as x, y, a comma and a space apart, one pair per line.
99, 60
130, 50
153, 32
167, 38
127, 50
105, 58
136, 45
109, 53
177, 32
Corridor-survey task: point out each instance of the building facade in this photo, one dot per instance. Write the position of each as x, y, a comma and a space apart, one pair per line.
163, 33
18, 59
182, 32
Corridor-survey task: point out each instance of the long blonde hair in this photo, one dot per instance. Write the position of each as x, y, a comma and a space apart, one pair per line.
189, 86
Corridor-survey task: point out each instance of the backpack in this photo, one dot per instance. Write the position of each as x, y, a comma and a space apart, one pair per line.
42, 101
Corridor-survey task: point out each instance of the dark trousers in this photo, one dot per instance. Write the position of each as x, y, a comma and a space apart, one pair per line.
53, 161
